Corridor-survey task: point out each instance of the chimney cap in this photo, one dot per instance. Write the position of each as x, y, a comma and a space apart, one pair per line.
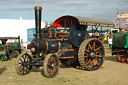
38, 8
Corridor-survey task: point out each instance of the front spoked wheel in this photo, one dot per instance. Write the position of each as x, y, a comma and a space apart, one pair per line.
51, 65
22, 64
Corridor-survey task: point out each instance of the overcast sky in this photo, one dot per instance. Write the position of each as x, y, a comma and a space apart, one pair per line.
52, 9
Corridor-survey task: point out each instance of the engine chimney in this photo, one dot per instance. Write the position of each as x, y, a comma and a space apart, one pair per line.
38, 21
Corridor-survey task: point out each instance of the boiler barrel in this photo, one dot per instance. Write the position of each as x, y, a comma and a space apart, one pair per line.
54, 46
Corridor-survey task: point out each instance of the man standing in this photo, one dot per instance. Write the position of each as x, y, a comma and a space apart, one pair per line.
110, 42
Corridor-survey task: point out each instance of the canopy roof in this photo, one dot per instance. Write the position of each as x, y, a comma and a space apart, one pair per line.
4, 38
67, 21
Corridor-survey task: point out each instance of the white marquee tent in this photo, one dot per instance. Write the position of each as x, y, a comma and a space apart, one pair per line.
16, 27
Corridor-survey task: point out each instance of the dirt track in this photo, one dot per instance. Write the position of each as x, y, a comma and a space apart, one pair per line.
111, 73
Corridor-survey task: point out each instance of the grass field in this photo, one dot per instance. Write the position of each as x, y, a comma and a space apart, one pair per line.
111, 73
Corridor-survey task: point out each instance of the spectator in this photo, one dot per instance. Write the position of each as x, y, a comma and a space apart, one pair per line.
21, 43
110, 42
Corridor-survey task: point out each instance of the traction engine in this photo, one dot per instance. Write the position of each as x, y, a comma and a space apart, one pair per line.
71, 45
120, 46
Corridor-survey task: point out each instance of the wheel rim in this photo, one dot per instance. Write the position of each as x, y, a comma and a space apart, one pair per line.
92, 55
3, 58
51, 65
15, 54
121, 58
23, 64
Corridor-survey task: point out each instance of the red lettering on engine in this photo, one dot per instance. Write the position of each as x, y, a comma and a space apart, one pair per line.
62, 35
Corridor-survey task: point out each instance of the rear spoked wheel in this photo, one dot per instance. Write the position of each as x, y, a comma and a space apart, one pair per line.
91, 54
22, 64
15, 54
51, 65
121, 57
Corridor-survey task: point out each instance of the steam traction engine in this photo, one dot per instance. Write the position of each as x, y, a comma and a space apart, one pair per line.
71, 45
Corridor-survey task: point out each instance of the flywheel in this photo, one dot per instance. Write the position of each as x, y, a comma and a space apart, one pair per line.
77, 35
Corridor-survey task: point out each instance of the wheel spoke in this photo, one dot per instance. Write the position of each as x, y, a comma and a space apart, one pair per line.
20, 63
24, 57
21, 60
89, 46
49, 71
91, 64
94, 44
98, 48
88, 61
20, 66
85, 56
98, 56
27, 70
49, 63
97, 52
55, 66
27, 67
52, 58
27, 59
23, 70
55, 63
53, 72
87, 50
96, 61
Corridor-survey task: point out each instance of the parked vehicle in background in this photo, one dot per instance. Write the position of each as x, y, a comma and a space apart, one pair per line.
120, 45
4, 54
10, 47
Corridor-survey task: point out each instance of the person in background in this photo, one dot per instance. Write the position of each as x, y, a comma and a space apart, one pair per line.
21, 43
0, 42
110, 42
25, 45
